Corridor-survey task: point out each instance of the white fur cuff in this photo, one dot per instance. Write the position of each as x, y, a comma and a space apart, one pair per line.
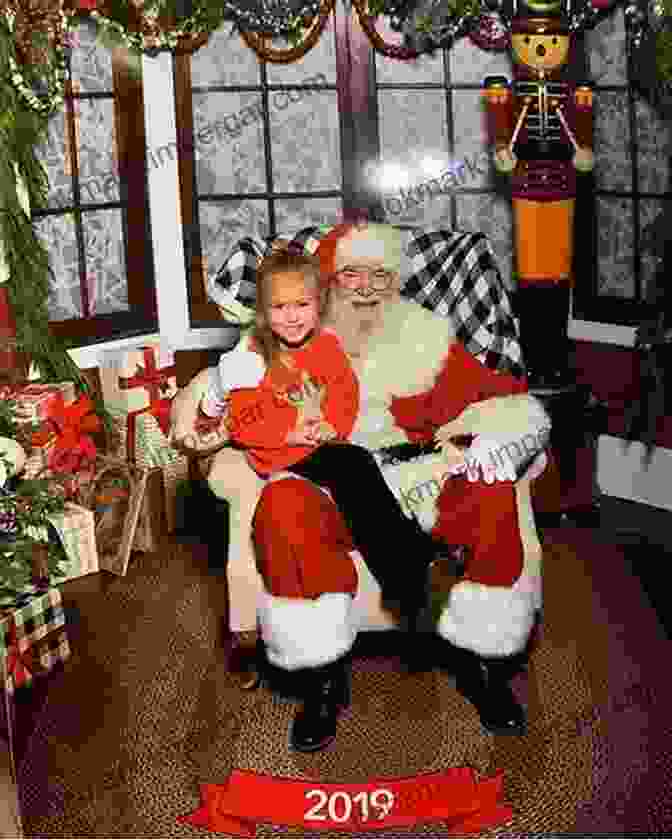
306, 633
490, 620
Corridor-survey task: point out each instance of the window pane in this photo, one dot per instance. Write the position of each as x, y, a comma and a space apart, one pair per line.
305, 138
232, 160
471, 140
418, 205
612, 141
55, 158
97, 151
291, 215
615, 247
224, 60
223, 223
653, 149
490, 214
413, 127
605, 46
105, 262
470, 64
58, 235
91, 65
650, 212
320, 59
425, 69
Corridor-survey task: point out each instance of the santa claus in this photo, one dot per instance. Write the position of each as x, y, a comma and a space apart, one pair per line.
418, 385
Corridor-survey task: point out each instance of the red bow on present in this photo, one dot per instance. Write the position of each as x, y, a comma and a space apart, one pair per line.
155, 380
18, 663
74, 449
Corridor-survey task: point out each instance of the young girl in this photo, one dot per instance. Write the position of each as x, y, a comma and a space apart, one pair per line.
299, 416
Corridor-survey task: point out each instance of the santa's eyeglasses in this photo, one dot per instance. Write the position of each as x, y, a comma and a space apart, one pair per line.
352, 277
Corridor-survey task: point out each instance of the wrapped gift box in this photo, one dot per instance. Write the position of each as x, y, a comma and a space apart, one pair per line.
76, 529
150, 449
138, 379
138, 386
32, 636
33, 641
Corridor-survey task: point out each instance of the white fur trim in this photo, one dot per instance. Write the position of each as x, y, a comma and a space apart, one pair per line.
306, 633
490, 620
380, 242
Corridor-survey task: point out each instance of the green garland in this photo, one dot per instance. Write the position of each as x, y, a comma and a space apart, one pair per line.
8, 425
22, 77
207, 18
664, 46
29, 505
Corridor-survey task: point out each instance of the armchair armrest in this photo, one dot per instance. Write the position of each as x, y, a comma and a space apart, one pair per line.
183, 414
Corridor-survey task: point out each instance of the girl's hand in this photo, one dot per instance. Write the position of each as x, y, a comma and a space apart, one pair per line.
303, 435
324, 432
209, 428
205, 426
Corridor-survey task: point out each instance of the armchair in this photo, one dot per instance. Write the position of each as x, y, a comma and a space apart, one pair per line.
465, 261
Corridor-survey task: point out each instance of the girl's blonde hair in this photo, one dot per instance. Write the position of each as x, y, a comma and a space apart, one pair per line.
282, 262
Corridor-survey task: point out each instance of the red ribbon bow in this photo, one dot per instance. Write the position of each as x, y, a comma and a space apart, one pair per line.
18, 663
74, 449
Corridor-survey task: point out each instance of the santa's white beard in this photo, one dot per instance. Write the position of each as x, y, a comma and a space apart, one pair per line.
355, 325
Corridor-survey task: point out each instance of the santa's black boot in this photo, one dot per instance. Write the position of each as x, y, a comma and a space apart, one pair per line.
325, 691
485, 682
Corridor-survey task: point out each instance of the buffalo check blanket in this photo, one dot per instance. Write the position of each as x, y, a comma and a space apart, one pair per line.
454, 274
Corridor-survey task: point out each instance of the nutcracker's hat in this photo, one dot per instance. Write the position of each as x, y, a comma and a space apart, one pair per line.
538, 25
540, 7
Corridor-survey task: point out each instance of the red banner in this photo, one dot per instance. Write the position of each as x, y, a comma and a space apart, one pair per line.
453, 796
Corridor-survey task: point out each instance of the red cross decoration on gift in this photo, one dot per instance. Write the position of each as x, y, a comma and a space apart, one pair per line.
155, 381
19, 663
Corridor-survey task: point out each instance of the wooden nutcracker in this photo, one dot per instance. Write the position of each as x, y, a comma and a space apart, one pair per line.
541, 128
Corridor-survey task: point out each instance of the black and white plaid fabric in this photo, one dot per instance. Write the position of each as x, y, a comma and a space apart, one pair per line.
452, 273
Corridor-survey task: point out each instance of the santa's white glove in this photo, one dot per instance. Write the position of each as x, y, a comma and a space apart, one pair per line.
492, 461
241, 367
488, 460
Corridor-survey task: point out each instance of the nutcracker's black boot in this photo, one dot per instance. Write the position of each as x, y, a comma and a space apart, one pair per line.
485, 683
325, 691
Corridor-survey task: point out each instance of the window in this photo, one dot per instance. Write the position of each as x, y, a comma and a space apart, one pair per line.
632, 151
267, 148
417, 150
259, 150
95, 225
434, 166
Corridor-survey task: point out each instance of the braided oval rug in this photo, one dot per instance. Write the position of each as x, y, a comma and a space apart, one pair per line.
145, 711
